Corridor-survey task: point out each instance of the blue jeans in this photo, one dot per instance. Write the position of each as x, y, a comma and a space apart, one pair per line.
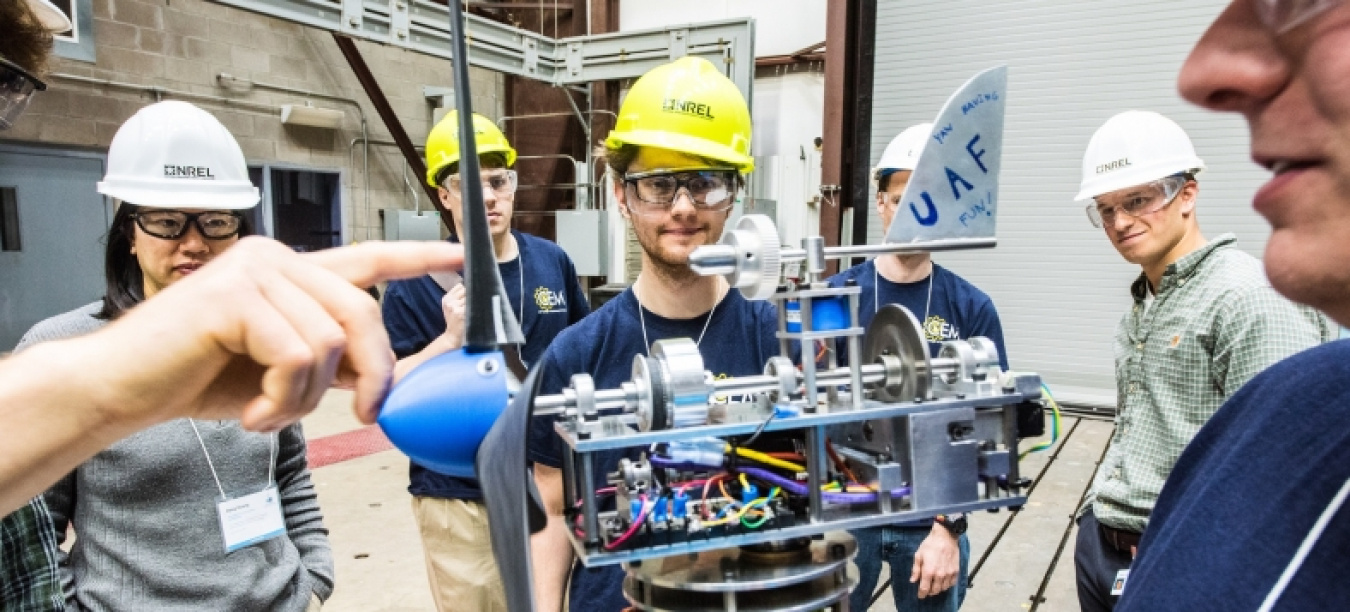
896, 546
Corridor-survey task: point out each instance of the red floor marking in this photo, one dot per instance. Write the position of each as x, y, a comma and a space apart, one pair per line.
349, 445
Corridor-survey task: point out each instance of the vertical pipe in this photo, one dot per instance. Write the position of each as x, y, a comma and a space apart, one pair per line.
855, 354
590, 520
809, 358
815, 469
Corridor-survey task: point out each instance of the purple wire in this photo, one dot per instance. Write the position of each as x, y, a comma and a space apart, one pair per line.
797, 488
682, 466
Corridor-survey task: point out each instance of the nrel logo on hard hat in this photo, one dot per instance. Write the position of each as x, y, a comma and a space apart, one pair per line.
687, 107
197, 172
1123, 162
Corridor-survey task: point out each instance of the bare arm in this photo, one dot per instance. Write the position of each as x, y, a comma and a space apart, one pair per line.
453, 306
551, 553
258, 334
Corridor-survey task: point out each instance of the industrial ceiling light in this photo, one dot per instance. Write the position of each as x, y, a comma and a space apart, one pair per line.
296, 114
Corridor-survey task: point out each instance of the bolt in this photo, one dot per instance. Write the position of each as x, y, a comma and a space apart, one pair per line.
487, 367
354, 21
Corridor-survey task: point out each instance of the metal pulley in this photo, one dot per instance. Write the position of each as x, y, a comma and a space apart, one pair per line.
895, 340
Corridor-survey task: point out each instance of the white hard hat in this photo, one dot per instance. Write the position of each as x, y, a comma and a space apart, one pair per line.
903, 152
175, 155
49, 16
1133, 148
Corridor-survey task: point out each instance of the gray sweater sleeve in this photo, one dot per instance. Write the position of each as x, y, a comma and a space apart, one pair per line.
304, 521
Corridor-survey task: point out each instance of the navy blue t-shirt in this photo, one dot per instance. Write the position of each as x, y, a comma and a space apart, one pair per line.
739, 341
958, 309
552, 300
1248, 490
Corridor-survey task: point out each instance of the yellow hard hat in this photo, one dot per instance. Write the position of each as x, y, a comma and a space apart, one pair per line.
690, 107
443, 143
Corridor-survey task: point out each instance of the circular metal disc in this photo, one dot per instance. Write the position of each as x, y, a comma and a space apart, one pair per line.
895, 331
731, 569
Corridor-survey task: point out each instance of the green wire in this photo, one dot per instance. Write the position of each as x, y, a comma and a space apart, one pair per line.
1054, 425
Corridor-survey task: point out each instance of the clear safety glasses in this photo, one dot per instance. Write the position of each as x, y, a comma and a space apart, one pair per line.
655, 192
501, 183
1280, 16
16, 91
1135, 201
172, 224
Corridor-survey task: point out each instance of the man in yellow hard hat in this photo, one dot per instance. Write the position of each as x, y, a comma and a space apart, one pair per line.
425, 317
678, 154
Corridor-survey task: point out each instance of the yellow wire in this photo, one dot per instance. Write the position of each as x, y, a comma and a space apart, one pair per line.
767, 460
744, 482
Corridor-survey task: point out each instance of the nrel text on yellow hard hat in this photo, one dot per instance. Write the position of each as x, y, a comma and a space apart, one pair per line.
443, 143
690, 107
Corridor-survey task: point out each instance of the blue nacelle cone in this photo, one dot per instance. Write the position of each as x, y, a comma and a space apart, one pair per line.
438, 414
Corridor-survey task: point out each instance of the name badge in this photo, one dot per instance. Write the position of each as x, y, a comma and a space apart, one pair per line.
248, 520
1118, 586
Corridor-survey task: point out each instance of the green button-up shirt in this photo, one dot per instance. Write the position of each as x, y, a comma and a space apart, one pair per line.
1214, 323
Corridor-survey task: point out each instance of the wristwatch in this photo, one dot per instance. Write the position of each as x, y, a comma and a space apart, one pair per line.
955, 524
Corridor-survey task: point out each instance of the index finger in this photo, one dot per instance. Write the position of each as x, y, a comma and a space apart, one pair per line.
368, 263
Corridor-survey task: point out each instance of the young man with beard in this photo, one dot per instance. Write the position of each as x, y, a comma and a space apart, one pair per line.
678, 153
1254, 513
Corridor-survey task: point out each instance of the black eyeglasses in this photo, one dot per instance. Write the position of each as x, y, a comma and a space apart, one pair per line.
172, 224
16, 91
709, 189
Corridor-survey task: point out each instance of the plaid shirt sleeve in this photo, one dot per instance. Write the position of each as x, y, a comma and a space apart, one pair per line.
1257, 329
28, 554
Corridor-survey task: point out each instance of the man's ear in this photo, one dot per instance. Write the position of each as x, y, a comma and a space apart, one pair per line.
621, 197
444, 194
1189, 194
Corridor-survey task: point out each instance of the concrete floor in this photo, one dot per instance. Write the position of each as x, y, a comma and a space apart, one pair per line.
379, 554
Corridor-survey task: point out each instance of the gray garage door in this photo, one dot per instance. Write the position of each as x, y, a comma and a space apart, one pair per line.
1059, 285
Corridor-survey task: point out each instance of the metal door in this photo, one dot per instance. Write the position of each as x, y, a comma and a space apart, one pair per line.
61, 219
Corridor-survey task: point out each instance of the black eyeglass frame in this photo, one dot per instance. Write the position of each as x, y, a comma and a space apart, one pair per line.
191, 220
38, 84
630, 181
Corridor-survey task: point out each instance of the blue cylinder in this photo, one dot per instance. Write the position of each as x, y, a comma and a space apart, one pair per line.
829, 313
635, 509
659, 512
440, 412
793, 311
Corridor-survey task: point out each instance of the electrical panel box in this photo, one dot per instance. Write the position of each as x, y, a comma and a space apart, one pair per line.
402, 224
584, 236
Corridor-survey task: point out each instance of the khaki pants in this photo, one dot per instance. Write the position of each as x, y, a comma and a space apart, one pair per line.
459, 559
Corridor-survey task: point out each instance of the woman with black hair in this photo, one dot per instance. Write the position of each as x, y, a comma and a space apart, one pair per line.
189, 514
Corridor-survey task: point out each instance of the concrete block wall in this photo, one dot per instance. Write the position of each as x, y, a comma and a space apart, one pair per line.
184, 44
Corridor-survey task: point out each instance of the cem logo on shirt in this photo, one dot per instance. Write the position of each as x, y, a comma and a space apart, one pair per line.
549, 301
937, 329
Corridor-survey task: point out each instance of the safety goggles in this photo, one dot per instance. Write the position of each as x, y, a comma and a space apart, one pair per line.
1135, 201
656, 191
1280, 16
16, 91
501, 183
172, 224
